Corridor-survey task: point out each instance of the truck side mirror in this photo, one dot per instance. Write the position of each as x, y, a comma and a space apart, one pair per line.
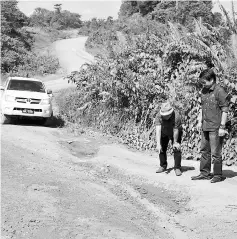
49, 91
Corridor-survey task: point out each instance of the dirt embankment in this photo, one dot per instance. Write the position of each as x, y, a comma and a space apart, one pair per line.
56, 184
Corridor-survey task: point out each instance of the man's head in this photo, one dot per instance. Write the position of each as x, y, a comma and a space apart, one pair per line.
166, 110
208, 78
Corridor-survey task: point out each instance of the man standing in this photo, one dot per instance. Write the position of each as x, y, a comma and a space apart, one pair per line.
212, 119
169, 127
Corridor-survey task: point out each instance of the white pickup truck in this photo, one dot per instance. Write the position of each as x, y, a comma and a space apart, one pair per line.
25, 97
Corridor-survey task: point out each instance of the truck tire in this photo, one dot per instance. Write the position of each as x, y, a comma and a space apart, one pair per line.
46, 121
5, 119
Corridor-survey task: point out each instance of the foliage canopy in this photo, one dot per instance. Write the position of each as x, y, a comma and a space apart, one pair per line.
56, 19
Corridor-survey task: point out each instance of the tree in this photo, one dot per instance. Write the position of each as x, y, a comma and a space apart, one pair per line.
217, 19
15, 42
184, 12
109, 21
146, 7
58, 20
94, 24
231, 23
41, 17
66, 19
11, 17
57, 7
164, 11
128, 8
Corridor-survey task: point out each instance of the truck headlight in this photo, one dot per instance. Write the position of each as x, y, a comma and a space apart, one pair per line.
9, 98
45, 101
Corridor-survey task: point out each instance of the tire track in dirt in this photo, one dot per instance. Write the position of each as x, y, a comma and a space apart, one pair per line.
159, 206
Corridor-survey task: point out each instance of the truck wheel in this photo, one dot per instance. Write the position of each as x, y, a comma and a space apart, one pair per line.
49, 120
46, 121
5, 119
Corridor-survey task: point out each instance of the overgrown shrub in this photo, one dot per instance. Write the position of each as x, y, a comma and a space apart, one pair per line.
17, 57
55, 19
15, 41
122, 94
102, 39
37, 65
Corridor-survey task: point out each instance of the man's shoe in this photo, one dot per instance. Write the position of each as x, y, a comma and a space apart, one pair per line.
216, 179
160, 170
178, 172
201, 177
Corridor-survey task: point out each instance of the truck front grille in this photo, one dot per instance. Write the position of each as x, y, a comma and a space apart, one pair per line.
28, 100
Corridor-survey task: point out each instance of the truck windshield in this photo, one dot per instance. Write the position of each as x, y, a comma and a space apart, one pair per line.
26, 85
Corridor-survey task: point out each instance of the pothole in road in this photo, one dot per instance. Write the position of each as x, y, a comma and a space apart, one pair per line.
160, 197
82, 148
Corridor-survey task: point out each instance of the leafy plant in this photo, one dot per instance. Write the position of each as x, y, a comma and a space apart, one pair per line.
58, 20
15, 42
122, 94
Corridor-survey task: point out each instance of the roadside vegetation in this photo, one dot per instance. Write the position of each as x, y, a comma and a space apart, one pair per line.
25, 40
153, 52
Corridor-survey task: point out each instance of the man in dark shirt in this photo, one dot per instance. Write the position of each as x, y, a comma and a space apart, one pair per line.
212, 119
169, 127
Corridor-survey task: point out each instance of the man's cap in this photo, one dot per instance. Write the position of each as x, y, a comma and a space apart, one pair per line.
166, 109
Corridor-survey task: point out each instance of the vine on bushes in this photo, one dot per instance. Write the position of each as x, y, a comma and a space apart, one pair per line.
122, 94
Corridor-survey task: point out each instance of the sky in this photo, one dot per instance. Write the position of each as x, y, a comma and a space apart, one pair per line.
91, 8
87, 9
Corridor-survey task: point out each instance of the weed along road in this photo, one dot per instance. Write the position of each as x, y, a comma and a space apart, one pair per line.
56, 184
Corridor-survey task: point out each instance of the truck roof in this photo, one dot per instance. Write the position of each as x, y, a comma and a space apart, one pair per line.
23, 78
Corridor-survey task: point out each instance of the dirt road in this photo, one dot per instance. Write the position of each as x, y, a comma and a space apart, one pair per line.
72, 54
56, 184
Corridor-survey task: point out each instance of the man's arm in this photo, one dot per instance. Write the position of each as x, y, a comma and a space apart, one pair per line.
158, 134
176, 135
200, 100
200, 118
176, 131
224, 118
176, 144
224, 105
222, 130
177, 127
158, 123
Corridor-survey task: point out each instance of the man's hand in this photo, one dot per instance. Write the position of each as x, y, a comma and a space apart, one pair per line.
176, 146
222, 132
158, 148
199, 125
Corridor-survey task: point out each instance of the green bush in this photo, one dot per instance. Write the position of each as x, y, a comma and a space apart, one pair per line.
17, 40
37, 65
122, 94
57, 20
102, 39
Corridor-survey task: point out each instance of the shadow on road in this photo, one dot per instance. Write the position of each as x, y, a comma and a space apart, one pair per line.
229, 173
54, 122
187, 168
183, 169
